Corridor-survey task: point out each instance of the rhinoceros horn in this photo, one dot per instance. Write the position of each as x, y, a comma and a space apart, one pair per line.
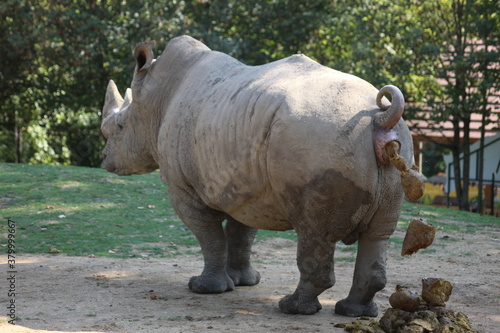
113, 100
393, 111
128, 98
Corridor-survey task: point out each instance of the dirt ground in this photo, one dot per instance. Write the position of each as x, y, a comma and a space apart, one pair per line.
82, 294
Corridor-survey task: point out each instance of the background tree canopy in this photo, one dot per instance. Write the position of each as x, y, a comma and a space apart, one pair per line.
58, 55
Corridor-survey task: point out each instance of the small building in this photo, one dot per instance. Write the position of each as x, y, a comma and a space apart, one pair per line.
424, 131
491, 172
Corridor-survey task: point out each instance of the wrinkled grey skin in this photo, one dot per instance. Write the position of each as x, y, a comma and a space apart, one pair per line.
287, 145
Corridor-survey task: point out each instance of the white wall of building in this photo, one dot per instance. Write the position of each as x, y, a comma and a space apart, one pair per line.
491, 160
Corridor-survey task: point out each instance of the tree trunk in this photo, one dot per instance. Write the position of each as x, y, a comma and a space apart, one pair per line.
457, 173
18, 139
464, 200
480, 167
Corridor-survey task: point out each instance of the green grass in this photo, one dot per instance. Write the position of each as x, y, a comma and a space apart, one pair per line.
84, 211
449, 215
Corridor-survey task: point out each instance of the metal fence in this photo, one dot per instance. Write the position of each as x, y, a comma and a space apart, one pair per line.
493, 182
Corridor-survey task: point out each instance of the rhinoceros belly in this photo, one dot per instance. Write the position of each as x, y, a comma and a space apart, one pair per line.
263, 212
251, 203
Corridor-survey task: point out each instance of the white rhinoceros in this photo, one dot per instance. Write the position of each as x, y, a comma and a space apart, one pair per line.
287, 145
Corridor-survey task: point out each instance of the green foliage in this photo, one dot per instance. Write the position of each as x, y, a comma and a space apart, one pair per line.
57, 59
433, 162
258, 32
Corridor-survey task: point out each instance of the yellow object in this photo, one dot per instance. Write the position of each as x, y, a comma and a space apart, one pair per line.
432, 190
473, 192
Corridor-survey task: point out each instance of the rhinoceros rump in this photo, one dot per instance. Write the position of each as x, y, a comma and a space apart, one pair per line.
287, 145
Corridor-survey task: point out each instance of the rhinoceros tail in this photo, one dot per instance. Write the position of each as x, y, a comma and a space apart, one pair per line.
387, 145
393, 111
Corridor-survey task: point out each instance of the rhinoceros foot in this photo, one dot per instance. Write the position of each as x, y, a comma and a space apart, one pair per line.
294, 304
204, 284
348, 308
247, 276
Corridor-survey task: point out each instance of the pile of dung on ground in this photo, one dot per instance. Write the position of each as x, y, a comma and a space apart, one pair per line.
413, 313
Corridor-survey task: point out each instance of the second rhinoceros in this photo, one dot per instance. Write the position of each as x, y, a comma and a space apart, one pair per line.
287, 145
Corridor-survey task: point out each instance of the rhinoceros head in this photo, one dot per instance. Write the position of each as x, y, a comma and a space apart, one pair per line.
125, 123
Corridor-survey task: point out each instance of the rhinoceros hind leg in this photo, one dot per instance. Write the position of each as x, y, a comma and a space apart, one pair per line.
352, 309
296, 304
315, 261
369, 278
239, 245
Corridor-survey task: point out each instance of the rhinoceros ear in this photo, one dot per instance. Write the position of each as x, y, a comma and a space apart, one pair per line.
113, 100
144, 56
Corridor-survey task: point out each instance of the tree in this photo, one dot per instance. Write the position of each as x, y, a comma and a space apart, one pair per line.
43, 104
18, 52
466, 34
254, 31
57, 57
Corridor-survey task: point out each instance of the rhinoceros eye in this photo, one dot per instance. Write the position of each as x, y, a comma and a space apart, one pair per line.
120, 122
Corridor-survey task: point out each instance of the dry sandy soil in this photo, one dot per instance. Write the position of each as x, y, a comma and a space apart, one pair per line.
81, 294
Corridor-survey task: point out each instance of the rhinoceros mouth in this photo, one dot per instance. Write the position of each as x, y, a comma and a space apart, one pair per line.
111, 168
123, 173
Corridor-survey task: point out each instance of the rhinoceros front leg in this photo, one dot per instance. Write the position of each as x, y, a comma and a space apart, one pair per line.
315, 262
206, 224
212, 239
239, 239
369, 278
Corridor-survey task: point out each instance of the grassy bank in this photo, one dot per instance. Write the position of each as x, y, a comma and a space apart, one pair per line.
88, 211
